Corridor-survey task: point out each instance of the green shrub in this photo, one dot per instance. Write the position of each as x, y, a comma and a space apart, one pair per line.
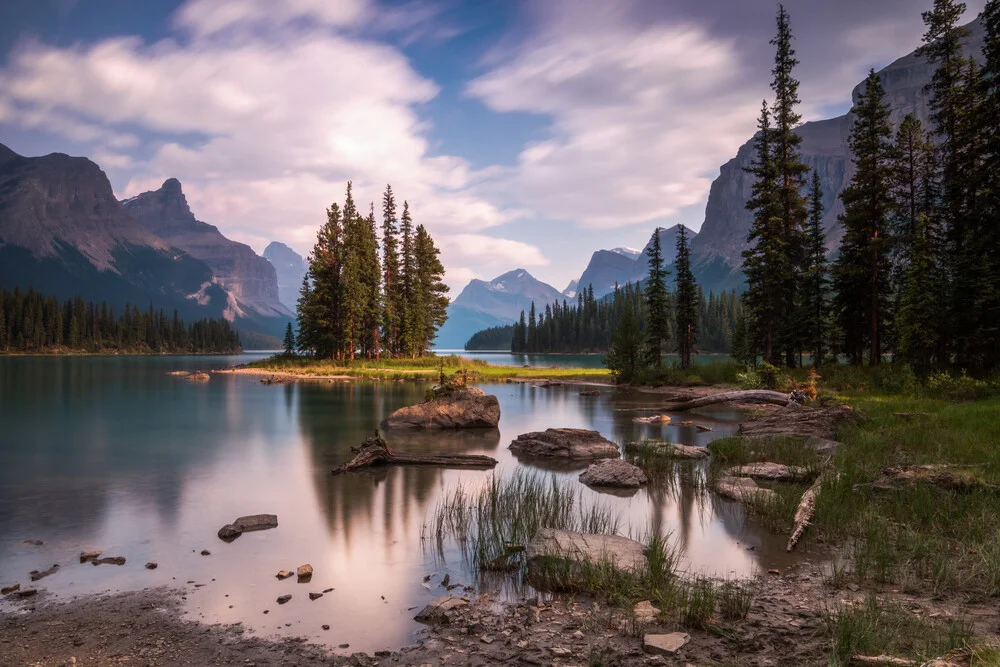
894, 378
959, 387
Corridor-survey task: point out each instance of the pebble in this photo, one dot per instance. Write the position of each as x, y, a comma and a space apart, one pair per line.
282, 599
151, 565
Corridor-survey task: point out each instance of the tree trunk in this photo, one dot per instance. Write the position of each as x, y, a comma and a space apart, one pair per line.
375, 452
749, 395
804, 514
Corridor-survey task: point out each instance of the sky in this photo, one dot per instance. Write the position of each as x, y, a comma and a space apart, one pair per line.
523, 134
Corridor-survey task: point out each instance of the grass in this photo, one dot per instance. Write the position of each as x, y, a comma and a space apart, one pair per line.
882, 627
427, 368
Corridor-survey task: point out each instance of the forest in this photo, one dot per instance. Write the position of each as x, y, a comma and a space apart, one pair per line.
32, 323
354, 302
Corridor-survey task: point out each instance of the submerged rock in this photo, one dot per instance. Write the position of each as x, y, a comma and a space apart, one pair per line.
615, 473
653, 419
315, 596
304, 572
111, 560
34, 543
282, 599
283, 574
151, 565
550, 543
41, 574
743, 489
229, 532
246, 524
464, 408
198, 376
7, 590
438, 610
89, 556
565, 443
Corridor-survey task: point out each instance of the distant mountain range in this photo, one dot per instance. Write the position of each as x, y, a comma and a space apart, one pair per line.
291, 268
63, 232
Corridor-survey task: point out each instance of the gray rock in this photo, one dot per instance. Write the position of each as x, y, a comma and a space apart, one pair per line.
438, 610
565, 443
743, 489
665, 644
151, 565
623, 553
7, 590
282, 599
229, 532
256, 522
465, 408
615, 473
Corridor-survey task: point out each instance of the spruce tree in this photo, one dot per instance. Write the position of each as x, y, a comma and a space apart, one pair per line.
985, 344
790, 173
352, 293
432, 299
392, 284
319, 306
815, 287
624, 359
408, 317
686, 301
657, 307
371, 278
289, 341
862, 270
765, 261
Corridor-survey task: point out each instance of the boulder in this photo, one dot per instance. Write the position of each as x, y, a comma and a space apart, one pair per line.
256, 522
89, 556
283, 574
304, 572
551, 543
743, 489
615, 473
768, 470
229, 532
438, 610
665, 644
198, 377
565, 443
464, 408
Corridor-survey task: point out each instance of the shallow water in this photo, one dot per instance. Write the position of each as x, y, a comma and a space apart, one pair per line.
117, 455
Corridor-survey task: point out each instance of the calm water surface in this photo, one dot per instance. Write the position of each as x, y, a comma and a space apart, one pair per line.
503, 358
115, 454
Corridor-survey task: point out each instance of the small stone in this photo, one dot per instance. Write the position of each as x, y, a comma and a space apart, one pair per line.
327, 590
315, 596
151, 565
89, 556
282, 599
645, 612
344, 646
305, 572
774, 571
486, 639
446, 580
34, 543
206, 552
41, 574
283, 574
7, 590
437, 610
325, 626
266, 610
665, 644
26, 593
559, 650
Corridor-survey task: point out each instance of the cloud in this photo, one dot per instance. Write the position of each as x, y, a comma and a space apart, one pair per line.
263, 111
641, 116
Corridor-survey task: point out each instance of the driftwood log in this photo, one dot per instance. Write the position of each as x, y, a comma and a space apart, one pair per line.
884, 660
804, 513
375, 452
747, 396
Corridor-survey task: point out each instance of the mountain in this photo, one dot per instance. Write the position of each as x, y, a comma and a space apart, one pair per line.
63, 232
249, 279
716, 252
570, 291
290, 268
622, 265
486, 304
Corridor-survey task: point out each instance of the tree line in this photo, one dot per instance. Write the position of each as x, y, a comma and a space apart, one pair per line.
33, 322
358, 299
917, 274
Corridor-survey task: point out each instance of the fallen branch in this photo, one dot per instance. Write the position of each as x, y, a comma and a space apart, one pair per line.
375, 452
748, 396
804, 513
882, 660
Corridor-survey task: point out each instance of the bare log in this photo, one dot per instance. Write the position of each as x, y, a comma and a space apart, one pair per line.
375, 452
748, 396
886, 660
804, 513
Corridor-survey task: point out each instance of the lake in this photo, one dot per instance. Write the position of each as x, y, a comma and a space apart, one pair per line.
114, 454
504, 358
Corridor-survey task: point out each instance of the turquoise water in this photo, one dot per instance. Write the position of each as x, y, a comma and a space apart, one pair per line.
112, 453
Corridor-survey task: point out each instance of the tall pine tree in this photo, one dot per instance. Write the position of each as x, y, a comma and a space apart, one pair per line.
816, 283
657, 307
686, 300
432, 299
862, 270
392, 285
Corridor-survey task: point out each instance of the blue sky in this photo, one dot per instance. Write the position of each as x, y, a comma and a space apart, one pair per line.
523, 134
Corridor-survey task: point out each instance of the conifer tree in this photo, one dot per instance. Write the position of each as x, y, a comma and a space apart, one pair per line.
392, 284
432, 299
624, 359
862, 270
289, 341
765, 261
657, 307
815, 288
686, 301
408, 316
371, 277
790, 173
319, 306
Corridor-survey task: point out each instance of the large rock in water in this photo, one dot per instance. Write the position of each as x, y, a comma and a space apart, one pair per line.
565, 443
465, 408
615, 473
550, 543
